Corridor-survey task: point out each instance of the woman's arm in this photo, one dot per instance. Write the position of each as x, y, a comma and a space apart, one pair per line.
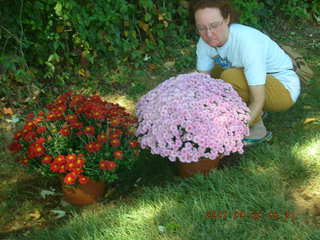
257, 98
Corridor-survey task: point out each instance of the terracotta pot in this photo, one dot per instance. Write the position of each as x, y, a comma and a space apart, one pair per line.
84, 194
203, 166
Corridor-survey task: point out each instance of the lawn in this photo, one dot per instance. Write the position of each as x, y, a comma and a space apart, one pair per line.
270, 192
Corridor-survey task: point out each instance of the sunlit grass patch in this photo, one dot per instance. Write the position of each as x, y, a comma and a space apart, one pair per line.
310, 151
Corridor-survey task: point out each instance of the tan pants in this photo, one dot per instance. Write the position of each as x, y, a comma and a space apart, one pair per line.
277, 96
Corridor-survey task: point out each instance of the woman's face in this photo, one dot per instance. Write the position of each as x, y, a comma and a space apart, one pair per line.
212, 27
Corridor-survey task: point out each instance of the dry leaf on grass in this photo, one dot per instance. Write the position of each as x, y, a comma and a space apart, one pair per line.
169, 64
58, 213
45, 193
7, 111
310, 120
34, 215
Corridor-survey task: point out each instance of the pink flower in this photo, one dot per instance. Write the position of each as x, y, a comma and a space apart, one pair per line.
189, 114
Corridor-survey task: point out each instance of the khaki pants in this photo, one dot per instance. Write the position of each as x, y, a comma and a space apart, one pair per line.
277, 96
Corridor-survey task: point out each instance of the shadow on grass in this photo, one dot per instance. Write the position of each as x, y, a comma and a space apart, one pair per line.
153, 170
23, 209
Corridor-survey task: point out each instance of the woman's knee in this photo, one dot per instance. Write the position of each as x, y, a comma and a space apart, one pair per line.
233, 75
278, 98
236, 77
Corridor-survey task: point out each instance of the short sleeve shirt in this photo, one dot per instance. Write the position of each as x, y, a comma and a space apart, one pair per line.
255, 52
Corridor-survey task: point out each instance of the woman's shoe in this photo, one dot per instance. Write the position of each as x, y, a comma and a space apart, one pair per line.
253, 141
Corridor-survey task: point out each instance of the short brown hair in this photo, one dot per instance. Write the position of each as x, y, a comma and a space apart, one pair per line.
223, 5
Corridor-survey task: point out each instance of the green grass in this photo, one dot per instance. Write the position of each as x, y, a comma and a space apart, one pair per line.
257, 184
156, 204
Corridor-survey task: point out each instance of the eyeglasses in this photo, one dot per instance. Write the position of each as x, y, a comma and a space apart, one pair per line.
212, 27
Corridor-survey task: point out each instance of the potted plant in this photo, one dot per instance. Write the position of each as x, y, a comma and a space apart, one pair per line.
82, 139
193, 119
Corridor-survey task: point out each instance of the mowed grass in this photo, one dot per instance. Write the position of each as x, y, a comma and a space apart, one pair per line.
253, 199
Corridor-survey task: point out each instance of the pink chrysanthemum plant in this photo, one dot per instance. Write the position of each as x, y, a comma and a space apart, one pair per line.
192, 116
78, 137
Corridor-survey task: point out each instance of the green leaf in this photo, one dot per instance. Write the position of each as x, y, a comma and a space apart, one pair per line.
147, 17
58, 9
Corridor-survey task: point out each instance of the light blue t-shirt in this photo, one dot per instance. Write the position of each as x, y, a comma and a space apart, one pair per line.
254, 51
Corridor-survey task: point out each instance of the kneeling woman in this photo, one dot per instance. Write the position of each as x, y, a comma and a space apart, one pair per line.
258, 69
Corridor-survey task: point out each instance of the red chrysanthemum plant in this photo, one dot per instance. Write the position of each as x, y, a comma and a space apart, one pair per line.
78, 137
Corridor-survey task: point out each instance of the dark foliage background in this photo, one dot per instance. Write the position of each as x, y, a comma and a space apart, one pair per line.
63, 42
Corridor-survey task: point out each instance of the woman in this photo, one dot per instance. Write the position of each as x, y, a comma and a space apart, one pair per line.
258, 69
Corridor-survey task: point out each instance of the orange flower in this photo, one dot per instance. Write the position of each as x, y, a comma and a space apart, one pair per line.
77, 99
46, 159
60, 159
102, 138
80, 133
38, 119
15, 147
83, 179
72, 118
79, 162
39, 149
58, 116
30, 136
70, 166
61, 108
71, 157
115, 131
93, 146
41, 129
114, 135
35, 150
18, 135
29, 125
77, 170
62, 168
76, 124
70, 178
65, 131
115, 122
40, 140
103, 165
24, 131
97, 146
30, 116
24, 161
107, 165
90, 147
54, 167
97, 115
96, 98
115, 142
89, 130
133, 143
50, 117
118, 154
